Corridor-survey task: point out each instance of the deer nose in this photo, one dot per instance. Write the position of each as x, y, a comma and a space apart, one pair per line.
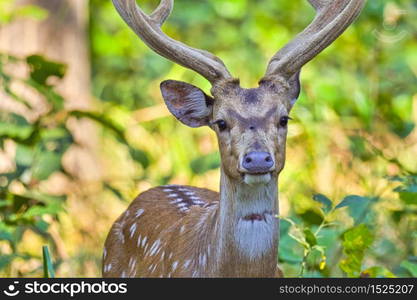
258, 162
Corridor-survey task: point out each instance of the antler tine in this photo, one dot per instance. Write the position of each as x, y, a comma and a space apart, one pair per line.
148, 29
163, 11
333, 17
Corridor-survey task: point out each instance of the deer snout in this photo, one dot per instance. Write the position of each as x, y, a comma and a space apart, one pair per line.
256, 162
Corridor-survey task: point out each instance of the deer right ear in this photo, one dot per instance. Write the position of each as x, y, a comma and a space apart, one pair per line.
187, 103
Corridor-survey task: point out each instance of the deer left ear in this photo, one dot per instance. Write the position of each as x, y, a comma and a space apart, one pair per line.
187, 103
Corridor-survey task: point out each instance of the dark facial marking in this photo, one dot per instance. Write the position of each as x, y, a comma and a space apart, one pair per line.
253, 123
250, 96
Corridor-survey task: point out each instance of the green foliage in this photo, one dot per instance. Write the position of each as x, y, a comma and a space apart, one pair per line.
205, 163
410, 267
40, 147
355, 242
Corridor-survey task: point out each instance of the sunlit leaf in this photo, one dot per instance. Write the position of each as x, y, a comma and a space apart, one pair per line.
355, 242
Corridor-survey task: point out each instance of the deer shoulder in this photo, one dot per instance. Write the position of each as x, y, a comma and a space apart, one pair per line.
157, 234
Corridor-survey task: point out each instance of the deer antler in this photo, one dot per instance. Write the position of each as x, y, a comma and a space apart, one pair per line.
148, 28
332, 19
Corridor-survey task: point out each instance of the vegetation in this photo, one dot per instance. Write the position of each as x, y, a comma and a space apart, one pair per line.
348, 193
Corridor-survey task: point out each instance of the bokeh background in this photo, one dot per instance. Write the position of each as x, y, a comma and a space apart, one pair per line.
83, 130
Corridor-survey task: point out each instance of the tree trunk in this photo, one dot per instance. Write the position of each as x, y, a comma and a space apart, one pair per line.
61, 37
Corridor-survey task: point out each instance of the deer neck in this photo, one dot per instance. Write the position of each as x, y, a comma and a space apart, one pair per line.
247, 231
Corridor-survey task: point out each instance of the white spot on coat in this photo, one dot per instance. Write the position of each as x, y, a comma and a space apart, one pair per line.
179, 200
155, 247
144, 241
139, 212
203, 260
174, 266
187, 263
133, 230
173, 195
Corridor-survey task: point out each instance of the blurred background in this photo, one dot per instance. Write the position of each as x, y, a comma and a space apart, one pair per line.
83, 130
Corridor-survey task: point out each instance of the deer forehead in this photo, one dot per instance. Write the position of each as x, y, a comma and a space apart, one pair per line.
250, 107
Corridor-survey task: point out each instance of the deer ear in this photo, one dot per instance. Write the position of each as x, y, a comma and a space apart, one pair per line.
187, 103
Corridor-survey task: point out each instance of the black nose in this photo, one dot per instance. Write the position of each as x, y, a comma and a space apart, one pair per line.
258, 162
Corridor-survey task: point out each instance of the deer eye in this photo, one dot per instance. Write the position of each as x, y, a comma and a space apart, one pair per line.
222, 125
283, 122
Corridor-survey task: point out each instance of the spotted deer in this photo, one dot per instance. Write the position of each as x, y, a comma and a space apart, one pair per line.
184, 231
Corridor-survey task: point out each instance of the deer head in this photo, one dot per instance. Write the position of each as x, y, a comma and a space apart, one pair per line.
251, 124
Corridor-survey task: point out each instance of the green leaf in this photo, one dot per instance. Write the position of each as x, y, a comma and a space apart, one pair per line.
140, 157
290, 251
408, 198
41, 225
408, 193
24, 156
5, 260
358, 206
310, 237
410, 267
41, 69
46, 164
402, 128
351, 200
5, 232
327, 203
44, 198
205, 163
358, 147
48, 267
14, 131
355, 242
50, 209
311, 217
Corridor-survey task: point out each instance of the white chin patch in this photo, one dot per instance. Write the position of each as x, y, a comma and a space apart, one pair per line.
257, 179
